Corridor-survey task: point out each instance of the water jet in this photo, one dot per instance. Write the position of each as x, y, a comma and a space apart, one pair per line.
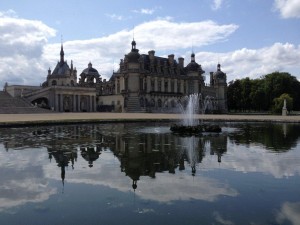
190, 106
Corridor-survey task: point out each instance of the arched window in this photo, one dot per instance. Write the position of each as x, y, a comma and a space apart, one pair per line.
54, 83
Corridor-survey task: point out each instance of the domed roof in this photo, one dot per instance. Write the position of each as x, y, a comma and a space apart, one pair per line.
134, 55
90, 70
219, 73
193, 66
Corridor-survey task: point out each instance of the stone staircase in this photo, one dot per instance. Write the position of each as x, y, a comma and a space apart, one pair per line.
17, 105
133, 105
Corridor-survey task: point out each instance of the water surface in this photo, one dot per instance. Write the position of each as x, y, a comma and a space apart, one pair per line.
143, 174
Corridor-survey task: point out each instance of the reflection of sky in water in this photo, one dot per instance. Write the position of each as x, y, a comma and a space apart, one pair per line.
229, 177
254, 159
290, 211
22, 178
154, 130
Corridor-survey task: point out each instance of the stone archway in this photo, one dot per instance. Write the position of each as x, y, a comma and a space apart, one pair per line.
42, 102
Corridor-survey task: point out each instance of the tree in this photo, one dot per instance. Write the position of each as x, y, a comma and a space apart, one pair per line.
245, 94
278, 103
278, 83
233, 95
257, 95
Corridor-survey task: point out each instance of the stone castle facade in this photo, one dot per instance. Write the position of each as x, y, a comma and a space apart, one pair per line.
143, 83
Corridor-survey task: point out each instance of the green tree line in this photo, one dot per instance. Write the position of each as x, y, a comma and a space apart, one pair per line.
264, 94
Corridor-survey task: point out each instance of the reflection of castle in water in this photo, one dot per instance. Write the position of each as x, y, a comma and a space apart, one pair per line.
140, 153
90, 154
63, 158
145, 154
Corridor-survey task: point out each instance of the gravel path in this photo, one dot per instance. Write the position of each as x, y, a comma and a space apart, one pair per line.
31, 119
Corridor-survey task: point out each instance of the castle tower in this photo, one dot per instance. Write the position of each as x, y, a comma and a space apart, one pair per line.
220, 83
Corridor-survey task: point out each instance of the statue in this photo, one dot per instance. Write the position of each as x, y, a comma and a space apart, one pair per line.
284, 109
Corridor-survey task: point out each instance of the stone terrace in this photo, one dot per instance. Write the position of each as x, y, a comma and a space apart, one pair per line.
17, 105
16, 111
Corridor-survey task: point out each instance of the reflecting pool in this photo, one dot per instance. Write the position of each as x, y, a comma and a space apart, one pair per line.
141, 173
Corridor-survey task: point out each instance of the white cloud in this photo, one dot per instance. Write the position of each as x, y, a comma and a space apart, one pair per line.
115, 16
104, 51
157, 34
23, 37
216, 4
288, 8
144, 11
21, 47
25, 54
8, 13
254, 62
167, 18
147, 11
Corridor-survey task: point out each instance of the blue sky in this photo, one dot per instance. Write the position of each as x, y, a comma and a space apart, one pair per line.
249, 38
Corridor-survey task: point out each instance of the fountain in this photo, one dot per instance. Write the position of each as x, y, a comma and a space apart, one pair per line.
189, 107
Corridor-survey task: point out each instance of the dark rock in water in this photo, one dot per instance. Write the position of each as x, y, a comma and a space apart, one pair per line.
212, 128
188, 130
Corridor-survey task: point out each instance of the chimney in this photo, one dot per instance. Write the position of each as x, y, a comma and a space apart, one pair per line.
181, 62
211, 78
151, 54
171, 59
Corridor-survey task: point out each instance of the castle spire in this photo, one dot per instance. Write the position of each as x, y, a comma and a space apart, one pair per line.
193, 57
133, 44
62, 54
193, 54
